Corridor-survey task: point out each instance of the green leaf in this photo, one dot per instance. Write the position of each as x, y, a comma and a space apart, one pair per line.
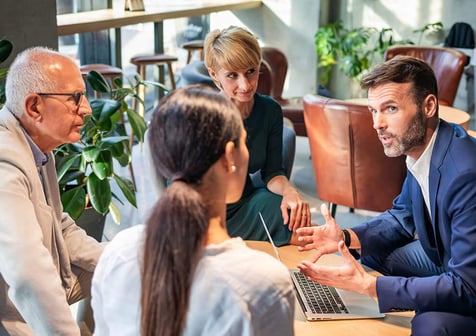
121, 153
3, 72
72, 175
112, 140
165, 89
98, 82
103, 109
90, 153
137, 123
74, 201
99, 192
127, 188
123, 159
117, 81
66, 165
6, 48
102, 166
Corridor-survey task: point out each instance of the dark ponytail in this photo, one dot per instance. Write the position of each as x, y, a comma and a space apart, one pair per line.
174, 237
188, 134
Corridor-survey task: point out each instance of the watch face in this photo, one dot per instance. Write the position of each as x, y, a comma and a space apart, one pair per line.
346, 237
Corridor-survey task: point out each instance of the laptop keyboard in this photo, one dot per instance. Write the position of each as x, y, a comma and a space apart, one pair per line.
322, 299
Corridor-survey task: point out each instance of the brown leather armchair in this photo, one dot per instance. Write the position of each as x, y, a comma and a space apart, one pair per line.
447, 63
349, 163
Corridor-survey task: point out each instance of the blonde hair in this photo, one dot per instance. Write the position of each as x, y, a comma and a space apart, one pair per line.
233, 48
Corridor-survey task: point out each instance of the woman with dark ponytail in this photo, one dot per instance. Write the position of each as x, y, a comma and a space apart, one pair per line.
182, 274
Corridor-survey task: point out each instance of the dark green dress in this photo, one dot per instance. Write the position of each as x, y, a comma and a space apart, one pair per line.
265, 143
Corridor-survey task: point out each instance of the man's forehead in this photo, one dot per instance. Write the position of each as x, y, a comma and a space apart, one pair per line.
389, 92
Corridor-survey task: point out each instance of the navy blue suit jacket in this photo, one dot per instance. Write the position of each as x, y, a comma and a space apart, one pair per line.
449, 238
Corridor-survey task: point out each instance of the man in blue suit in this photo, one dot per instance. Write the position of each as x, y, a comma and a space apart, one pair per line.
425, 246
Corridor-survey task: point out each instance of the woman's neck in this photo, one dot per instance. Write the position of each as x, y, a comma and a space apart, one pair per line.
245, 108
217, 232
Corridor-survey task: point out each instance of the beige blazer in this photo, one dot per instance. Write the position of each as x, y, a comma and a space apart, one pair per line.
38, 242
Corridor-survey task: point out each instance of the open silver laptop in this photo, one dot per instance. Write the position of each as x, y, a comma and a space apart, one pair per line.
319, 302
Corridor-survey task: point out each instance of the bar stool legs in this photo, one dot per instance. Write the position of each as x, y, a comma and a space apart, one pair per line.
193, 46
141, 63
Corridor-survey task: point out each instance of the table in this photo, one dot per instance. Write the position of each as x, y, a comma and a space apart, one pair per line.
91, 21
394, 324
446, 113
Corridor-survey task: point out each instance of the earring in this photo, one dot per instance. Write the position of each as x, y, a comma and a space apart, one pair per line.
233, 168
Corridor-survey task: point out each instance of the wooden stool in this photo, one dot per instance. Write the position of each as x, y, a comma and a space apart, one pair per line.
158, 59
108, 71
141, 63
193, 46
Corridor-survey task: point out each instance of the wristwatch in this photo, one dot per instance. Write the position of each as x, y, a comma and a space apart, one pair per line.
346, 237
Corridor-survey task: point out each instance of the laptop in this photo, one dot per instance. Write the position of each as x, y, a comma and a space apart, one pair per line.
320, 302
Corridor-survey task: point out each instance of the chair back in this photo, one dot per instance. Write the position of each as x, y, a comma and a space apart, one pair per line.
350, 166
447, 63
265, 81
278, 64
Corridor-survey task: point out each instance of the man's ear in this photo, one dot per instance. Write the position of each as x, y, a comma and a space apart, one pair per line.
429, 105
33, 106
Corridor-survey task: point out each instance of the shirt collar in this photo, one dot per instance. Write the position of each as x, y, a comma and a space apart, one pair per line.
422, 165
40, 158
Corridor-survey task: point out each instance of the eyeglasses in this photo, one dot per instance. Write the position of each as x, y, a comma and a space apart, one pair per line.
76, 96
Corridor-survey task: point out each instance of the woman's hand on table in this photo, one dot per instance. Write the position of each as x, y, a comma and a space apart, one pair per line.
295, 209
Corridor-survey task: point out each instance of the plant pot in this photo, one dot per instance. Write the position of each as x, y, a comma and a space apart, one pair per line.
92, 222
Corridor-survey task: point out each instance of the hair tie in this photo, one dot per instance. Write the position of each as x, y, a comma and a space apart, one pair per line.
177, 178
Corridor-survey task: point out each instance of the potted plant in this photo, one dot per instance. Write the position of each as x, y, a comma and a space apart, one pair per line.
87, 169
350, 48
5, 51
355, 50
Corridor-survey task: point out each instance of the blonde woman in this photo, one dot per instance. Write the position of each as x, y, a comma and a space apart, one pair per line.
233, 58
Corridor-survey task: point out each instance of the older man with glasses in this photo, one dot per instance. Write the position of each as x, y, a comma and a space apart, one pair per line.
46, 261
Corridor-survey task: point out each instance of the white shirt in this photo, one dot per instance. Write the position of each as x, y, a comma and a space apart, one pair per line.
236, 290
421, 169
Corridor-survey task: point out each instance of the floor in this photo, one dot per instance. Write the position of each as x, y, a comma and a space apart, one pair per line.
302, 177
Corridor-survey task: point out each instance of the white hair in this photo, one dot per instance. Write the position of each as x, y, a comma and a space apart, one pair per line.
28, 74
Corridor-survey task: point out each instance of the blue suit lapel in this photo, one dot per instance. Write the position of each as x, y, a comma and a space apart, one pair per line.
423, 223
430, 234
442, 142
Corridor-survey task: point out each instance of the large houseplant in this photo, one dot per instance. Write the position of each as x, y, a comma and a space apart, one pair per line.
355, 50
5, 51
87, 169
